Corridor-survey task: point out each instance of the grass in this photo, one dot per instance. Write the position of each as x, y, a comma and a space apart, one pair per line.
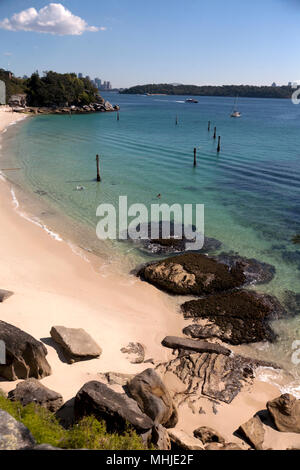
87, 434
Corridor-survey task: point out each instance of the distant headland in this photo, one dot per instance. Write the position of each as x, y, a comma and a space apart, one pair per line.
246, 91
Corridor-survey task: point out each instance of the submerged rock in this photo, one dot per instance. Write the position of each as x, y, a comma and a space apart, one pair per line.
116, 409
153, 398
192, 274
291, 302
77, 344
25, 356
285, 412
255, 271
32, 391
13, 434
239, 317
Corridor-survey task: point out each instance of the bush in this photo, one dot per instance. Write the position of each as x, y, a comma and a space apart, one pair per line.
87, 434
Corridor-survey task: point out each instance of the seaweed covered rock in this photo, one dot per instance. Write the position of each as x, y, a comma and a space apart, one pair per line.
153, 398
116, 409
239, 317
32, 391
255, 271
192, 274
25, 356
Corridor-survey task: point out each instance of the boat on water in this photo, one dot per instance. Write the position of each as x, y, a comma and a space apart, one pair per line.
191, 100
235, 112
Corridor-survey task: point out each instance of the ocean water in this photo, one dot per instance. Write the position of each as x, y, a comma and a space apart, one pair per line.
251, 189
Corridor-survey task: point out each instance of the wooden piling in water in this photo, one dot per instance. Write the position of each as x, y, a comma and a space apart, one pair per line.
118, 116
195, 157
219, 144
208, 126
215, 133
98, 169
176, 121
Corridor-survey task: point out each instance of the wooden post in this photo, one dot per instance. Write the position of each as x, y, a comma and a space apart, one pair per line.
215, 133
208, 126
176, 120
219, 144
118, 116
195, 156
98, 169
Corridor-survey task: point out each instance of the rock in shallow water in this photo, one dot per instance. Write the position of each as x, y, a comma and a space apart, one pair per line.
25, 356
192, 274
239, 317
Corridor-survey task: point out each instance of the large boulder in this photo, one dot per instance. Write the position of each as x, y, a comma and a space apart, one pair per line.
254, 432
25, 356
183, 441
285, 412
238, 317
192, 274
255, 271
76, 343
32, 391
13, 434
153, 398
117, 410
173, 342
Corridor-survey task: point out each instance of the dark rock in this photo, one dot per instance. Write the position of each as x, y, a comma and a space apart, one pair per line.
208, 435
239, 317
135, 353
173, 342
13, 434
255, 271
32, 391
77, 344
96, 399
5, 294
285, 412
153, 398
25, 356
254, 432
192, 274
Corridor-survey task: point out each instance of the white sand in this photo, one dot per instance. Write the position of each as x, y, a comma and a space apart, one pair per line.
54, 286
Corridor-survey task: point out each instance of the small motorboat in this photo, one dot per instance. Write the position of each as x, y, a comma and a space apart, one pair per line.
191, 100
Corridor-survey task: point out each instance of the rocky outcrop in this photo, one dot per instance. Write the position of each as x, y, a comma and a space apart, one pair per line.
25, 356
5, 294
255, 271
254, 432
97, 399
285, 412
216, 376
173, 342
192, 274
238, 317
13, 434
153, 398
135, 353
98, 107
77, 344
208, 435
183, 441
32, 391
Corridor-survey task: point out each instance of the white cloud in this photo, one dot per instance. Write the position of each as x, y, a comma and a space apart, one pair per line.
53, 19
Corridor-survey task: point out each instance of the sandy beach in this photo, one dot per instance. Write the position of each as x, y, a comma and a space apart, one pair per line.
54, 286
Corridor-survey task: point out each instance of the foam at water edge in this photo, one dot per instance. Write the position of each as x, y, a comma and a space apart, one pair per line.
276, 377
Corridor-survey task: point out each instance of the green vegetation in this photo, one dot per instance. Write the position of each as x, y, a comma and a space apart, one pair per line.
87, 434
52, 89
245, 91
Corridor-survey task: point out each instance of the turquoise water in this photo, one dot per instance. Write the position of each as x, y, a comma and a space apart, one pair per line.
251, 189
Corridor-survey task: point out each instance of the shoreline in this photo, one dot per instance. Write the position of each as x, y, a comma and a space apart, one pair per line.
52, 285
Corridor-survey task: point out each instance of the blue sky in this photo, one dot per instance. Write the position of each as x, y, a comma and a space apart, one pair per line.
136, 41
